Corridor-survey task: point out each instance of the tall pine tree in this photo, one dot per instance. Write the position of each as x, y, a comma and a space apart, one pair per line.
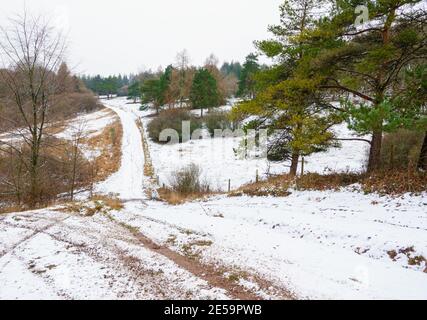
365, 62
287, 100
204, 91
247, 77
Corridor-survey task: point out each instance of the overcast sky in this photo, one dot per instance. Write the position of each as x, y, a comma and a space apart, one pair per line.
124, 36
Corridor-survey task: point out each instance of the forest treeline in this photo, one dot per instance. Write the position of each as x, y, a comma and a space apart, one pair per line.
179, 84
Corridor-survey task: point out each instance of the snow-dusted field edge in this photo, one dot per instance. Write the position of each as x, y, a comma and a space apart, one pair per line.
320, 244
220, 162
332, 245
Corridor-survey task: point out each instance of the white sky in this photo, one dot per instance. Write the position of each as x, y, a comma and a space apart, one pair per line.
112, 36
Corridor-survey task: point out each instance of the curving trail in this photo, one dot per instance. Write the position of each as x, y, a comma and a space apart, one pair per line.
53, 254
311, 244
128, 182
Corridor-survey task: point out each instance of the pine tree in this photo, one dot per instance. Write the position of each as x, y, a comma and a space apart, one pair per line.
151, 93
134, 91
286, 99
366, 62
412, 107
246, 80
204, 91
164, 96
156, 91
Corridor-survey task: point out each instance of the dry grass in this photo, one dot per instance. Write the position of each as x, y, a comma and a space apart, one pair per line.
108, 142
314, 181
396, 182
148, 164
275, 186
413, 260
175, 198
194, 249
61, 125
112, 202
98, 204
12, 208
110, 146
385, 182
390, 183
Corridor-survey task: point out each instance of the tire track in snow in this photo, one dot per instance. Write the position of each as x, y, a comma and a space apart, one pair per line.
31, 236
130, 185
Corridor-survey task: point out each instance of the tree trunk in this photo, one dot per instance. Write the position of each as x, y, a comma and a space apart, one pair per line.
294, 164
74, 171
34, 161
422, 163
33, 182
375, 151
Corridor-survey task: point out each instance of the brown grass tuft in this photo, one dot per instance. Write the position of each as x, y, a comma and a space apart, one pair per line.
385, 182
113, 203
175, 198
314, 181
97, 204
395, 182
110, 146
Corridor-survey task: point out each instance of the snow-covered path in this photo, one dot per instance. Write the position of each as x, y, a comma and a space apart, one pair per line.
330, 245
128, 181
317, 244
61, 254
50, 254
55, 254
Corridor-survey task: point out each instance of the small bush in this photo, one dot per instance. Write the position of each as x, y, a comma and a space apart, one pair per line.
171, 119
67, 106
186, 185
219, 120
188, 180
112, 202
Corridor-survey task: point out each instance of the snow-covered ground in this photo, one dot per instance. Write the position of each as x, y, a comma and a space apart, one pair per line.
333, 244
54, 255
221, 161
92, 124
328, 245
128, 182
51, 254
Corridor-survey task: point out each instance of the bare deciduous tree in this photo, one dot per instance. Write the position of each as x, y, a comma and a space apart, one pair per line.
182, 62
78, 134
31, 52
